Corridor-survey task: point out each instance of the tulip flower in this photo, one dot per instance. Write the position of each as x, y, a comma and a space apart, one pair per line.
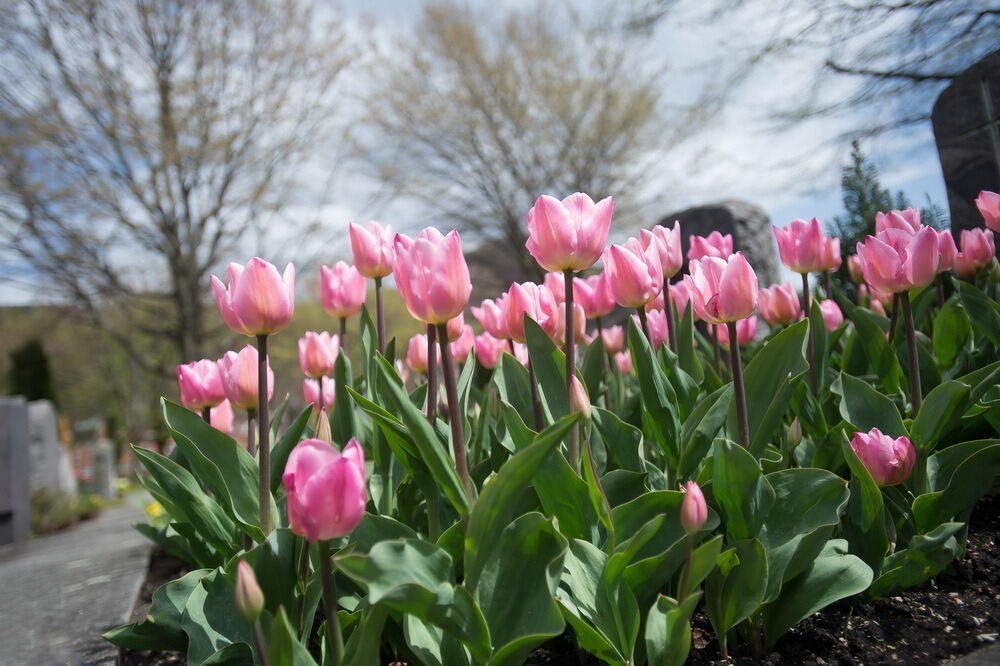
416, 354
634, 274
455, 327
694, 510
613, 338
722, 290
342, 290
521, 354
988, 204
746, 332
318, 353
568, 234
895, 261
258, 301
462, 345
668, 244
875, 305
623, 360
656, 322
559, 318
779, 304
239, 378
713, 245
978, 249
579, 401
905, 220
594, 295
801, 246
200, 384
680, 296
222, 417
489, 349
314, 396
432, 275
832, 316
889, 461
947, 251
326, 489
830, 255
528, 298
854, 269
490, 315
556, 283
373, 246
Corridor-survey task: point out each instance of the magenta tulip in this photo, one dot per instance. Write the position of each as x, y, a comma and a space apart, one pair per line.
532, 300
200, 384
310, 391
668, 243
318, 353
634, 274
832, 316
896, 261
978, 248
656, 321
594, 295
489, 349
342, 289
568, 234
779, 304
830, 256
222, 417
988, 204
947, 251
722, 290
490, 315
694, 510
373, 246
239, 378
714, 245
888, 460
326, 489
801, 246
258, 300
905, 220
432, 275
855, 270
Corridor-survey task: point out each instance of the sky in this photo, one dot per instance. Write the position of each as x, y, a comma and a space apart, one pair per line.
790, 172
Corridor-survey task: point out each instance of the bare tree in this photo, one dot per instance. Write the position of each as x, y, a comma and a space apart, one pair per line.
141, 139
475, 116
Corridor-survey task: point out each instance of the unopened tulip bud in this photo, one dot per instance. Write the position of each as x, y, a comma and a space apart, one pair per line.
579, 401
832, 316
988, 204
249, 598
889, 461
794, 433
694, 511
854, 269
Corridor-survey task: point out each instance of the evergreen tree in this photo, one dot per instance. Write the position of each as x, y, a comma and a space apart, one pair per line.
29, 372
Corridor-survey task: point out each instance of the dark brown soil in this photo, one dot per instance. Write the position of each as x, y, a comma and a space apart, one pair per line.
953, 615
163, 568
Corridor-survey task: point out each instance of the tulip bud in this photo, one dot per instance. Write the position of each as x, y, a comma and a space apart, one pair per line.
249, 599
854, 269
462, 345
416, 353
613, 338
988, 204
489, 349
318, 353
222, 416
623, 360
694, 511
889, 461
832, 316
779, 304
568, 234
794, 433
373, 248
579, 401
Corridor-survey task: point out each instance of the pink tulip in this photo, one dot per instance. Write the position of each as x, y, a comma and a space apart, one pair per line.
310, 391
722, 290
374, 248
521, 353
978, 248
342, 289
579, 401
668, 243
988, 204
258, 301
416, 354
326, 489
905, 220
248, 598
222, 417
568, 234
656, 321
831, 258
876, 306
200, 384
779, 304
854, 269
713, 245
888, 460
613, 338
401, 370
318, 353
801, 246
634, 274
832, 316
460, 347
489, 349
623, 360
455, 327
947, 252
897, 260
554, 282
239, 378
490, 315
746, 332
680, 296
559, 319
532, 300
594, 295
694, 511
432, 275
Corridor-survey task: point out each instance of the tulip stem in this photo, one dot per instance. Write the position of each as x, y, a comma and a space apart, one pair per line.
263, 436
334, 638
432, 381
827, 285
916, 396
642, 321
304, 577
574, 433
455, 411
252, 432
604, 361
260, 642
893, 316
319, 397
379, 315
716, 353
741, 397
682, 590
809, 336
536, 404
206, 415
343, 332
671, 322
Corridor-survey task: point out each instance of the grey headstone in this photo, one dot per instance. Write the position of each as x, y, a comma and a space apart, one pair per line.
104, 469
51, 468
15, 497
749, 225
966, 119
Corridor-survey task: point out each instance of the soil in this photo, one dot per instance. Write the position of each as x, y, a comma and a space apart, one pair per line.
957, 613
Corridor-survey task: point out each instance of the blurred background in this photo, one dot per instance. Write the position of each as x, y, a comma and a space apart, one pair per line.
144, 144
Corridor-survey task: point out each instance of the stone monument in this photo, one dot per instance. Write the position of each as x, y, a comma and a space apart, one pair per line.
15, 497
966, 120
51, 468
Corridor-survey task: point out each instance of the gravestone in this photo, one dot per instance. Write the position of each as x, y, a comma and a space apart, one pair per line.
15, 497
966, 120
749, 225
104, 468
51, 468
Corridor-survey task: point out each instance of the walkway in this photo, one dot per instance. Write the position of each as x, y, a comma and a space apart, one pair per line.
58, 593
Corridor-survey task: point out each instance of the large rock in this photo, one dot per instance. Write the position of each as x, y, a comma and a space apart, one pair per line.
966, 119
749, 225
15, 499
51, 468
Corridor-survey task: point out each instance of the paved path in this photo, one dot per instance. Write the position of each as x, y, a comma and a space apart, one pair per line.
58, 593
